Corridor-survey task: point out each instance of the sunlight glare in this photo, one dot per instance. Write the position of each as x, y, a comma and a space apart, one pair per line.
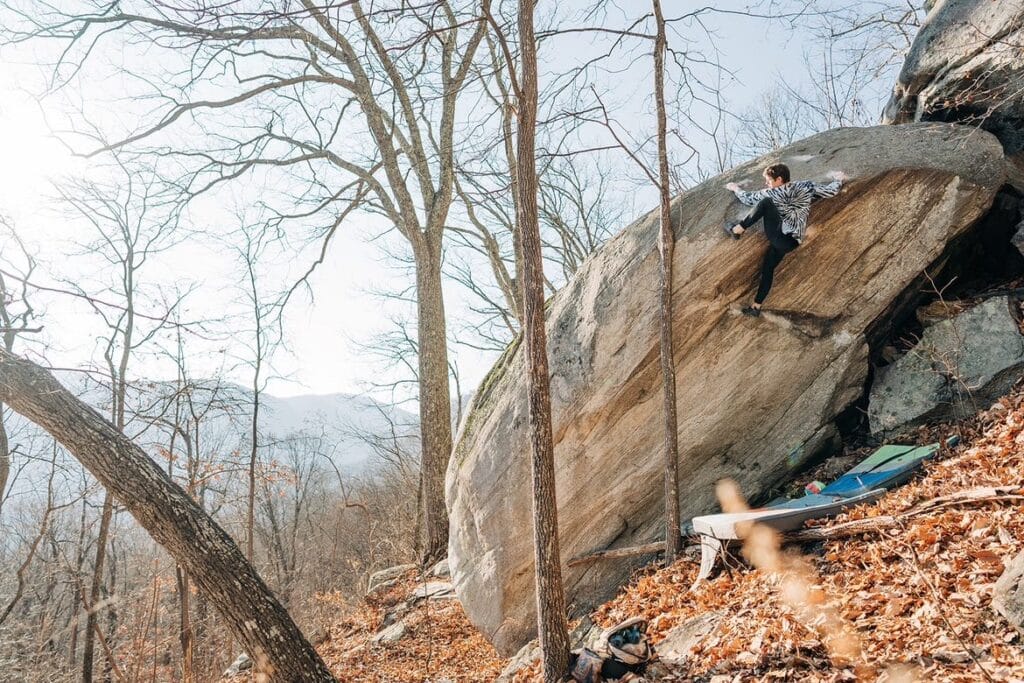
30, 156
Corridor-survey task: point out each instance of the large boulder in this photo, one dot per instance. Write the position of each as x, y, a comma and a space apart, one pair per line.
965, 65
756, 397
959, 365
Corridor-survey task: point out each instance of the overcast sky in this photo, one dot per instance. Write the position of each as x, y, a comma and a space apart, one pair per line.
324, 336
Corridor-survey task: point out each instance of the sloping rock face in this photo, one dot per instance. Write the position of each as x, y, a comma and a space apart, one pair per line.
756, 397
959, 365
966, 65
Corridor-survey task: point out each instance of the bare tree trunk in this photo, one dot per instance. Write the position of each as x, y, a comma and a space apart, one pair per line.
175, 521
552, 626
5, 458
250, 255
79, 598
185, 626
435, 401
109, 591
250, 518
666, 245
88, 646
186, 636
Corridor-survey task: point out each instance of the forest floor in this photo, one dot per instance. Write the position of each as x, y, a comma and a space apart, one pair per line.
908, 600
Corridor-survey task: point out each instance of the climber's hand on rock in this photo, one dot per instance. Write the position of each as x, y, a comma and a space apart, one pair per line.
838, 175
732, 187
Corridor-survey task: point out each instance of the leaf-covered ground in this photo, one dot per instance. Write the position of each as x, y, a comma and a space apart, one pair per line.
914, 595
439, 644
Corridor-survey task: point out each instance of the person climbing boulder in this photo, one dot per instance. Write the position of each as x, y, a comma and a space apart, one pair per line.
784, 207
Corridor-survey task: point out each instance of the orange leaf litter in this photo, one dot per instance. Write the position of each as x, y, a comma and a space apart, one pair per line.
871, 580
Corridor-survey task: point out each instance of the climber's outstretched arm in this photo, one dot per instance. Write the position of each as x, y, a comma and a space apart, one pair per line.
748, 198
822, 190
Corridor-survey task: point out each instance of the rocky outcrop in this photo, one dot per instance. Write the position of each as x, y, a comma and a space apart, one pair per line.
959, 364
965, 65
674, 648
385, 578
390, 634
1008, 593
242, 663
527, 655
756, 397
440, 570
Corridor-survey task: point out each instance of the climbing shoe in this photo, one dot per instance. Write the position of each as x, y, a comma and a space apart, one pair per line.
751, 311
727, 227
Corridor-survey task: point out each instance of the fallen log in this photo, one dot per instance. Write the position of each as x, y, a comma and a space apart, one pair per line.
630, 551
618, 553
988, 494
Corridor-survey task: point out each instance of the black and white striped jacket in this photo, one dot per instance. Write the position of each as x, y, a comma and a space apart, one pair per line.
793, 200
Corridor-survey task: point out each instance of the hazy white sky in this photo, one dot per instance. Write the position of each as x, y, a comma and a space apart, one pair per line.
323, 336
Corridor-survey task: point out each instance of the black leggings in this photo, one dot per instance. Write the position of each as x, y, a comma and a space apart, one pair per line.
779, 243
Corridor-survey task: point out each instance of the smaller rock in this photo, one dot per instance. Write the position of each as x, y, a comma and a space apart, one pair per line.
674, 649
889, 353
951, 656
1008, 593
241, 663
394, 614
585, 634
440, 570
387, 577
939, 310
434, 590
1018, 237
319, 636
528, 654
391, 634
959, 365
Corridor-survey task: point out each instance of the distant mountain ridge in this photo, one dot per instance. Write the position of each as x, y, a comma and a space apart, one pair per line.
340, 417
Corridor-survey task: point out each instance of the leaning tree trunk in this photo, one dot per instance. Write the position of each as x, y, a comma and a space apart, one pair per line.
552, 627
174, 520
666, 244
435, 400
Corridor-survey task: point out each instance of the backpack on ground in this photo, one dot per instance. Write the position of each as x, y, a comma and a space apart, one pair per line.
623, 654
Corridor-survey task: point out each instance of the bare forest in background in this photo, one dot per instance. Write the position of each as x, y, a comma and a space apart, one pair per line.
295, 121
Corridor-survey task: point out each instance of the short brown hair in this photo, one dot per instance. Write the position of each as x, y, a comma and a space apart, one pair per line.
778, 171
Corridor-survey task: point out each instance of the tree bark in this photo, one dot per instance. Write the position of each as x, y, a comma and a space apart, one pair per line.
250, 513
91, 616
435, 401
185, 636
174, 520
79, 598
5, 458
552, 627
666, 246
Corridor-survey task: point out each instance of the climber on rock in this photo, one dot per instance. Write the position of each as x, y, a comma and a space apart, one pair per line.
784, 207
